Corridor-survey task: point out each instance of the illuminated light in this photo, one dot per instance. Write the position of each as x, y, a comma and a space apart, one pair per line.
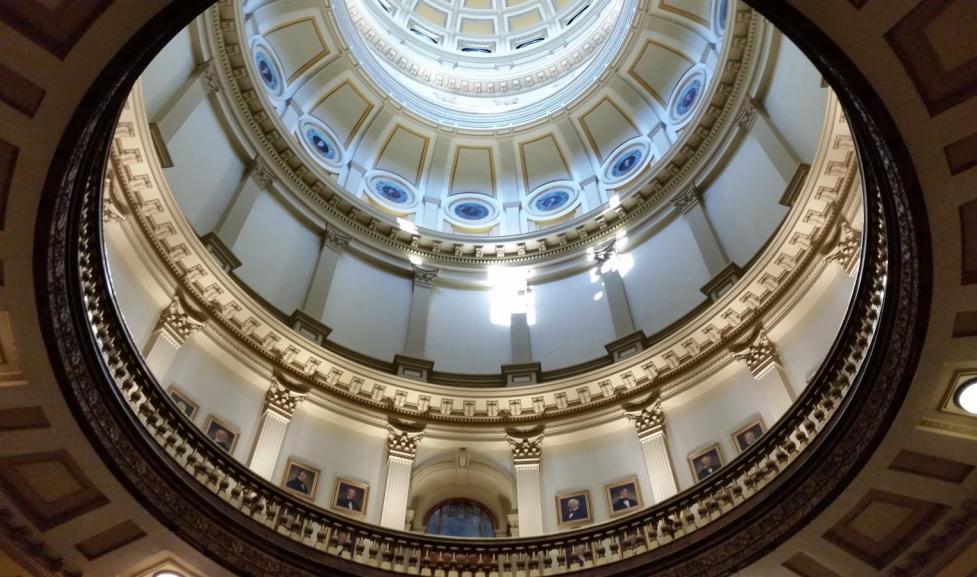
510, 294
614, 201
598, 295
415, 260
966, 396
167, 574
407, 226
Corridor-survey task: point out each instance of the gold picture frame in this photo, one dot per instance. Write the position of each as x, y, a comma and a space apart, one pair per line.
702, 471
755, 426
212, 428
621, 504
566, 515
183, 402
350, 497
301, 478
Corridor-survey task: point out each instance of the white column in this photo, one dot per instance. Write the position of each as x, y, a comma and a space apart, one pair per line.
176, 111
176, 324
754, 119
760, 356
331, 248
649, 423
690, 204
281, 399
420, 304
526, 456
592, 193
401, 450
256, 177
512, 219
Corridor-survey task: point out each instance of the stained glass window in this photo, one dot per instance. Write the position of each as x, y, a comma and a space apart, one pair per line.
460, 518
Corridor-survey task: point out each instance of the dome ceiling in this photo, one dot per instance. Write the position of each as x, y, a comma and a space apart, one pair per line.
361, 90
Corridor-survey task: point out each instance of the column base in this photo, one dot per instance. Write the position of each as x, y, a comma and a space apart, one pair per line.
626, 346
216, 247
722, 282
309, 327
413, 368
522, 374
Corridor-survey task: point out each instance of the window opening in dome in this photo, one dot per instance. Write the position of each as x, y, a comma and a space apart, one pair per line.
577, 14
460, 518
526, 43
510, 294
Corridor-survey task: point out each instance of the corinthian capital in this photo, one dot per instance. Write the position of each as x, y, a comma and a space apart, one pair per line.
648, 420
283, 397
526, 450
424, 276
179, 320
758, 352
403, 444
335, 238
748, 113
687, 199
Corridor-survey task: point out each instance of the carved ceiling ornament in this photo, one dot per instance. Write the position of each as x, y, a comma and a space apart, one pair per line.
758, 352
649, 420
283, 397
844, 245
403, 444
526, 451
179, 320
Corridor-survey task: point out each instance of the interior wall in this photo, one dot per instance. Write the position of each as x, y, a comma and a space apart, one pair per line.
206, 171
368, 308
589, 462
167, 72
460, 333
278, 253
665, 281
338, 447
796, 85
140, 298
563, 337
743, 202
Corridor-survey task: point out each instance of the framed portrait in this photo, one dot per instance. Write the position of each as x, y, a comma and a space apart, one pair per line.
573, 508
301, 478
623, 496
749, 433
706, 461
222, 434
350, 497
183, 402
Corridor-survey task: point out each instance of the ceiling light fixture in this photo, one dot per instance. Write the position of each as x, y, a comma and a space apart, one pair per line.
966, 396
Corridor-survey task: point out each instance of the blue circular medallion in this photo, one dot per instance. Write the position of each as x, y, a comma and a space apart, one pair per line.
626, 164
473, 211
392, 192
266, 70
550, 201
321, 143
688, 97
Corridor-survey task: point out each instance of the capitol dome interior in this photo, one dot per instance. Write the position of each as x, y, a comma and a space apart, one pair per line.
488, 288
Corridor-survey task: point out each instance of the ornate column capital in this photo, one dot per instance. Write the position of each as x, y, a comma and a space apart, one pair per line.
283, 397
208, 75
334, 238
526, 451
649, 419
424, 276
758, 352
687, 199
179, 320
261, 173
402, 444
843, 245
748, 113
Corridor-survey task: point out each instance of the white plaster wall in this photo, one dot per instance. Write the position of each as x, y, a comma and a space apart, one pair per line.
796, 86
804, 342
139, 296
221, 386
712, 412
571, 327
664, 282
368, 308
590, 461
338, 447
742, 203
278, 254
460, 333
167, 72
206, 171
